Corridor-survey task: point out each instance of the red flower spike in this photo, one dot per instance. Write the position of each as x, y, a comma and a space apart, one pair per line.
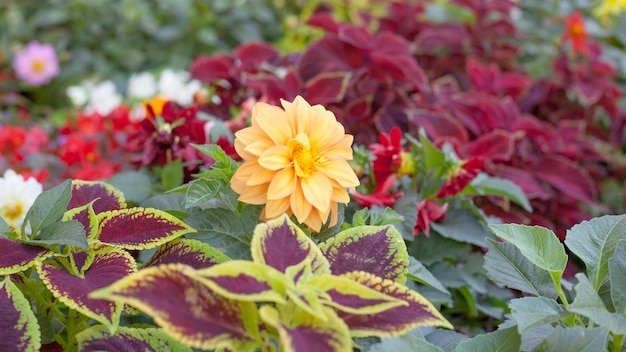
388, 154
576, 33
428, 211
461, 177
381, 195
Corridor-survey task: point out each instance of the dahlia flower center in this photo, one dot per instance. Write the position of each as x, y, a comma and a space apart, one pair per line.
304, 160
13, 211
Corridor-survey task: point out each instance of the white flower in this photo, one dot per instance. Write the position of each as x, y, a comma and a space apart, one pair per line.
103, 98
79, 95
16, 197
177, 87
142, 86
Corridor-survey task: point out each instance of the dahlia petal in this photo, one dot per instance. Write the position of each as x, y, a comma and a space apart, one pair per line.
260, 177
298, 204
340, 196
273, 121
276, 207
250, 135
254, 195
340, 150
314, 221
340, 171
317, 190
275, 158
327, 130
257, 148
240, 148
283, 184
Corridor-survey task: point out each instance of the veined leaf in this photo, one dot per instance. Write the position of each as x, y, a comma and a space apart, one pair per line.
108, 266
352, 297
16, 257
222, 161
575, 339
418, 272
506, 265
186, 251
300, 331
617, 276
594, 242
246, 281
200, 191
462, 225
484, 184
139, 228
280, 244
538, 244
135, 186
501, 340
394, 321
379, 250
588, 303
405, 343
532, 312
198, 317
98, 338
104, 196
70, 233
19, 330
48, 208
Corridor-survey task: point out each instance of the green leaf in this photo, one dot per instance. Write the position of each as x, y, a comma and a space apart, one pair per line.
48, 208
4, 228
98, 338
18, 327
404, 343
428, 249
226, 231
223, 162
594, 242
485, 185
532, 312
201, 191
419, 273
433, 157
463, 226
171, 174
502, 340
506, 265
70, 233
577, 339
617, 277
538, 244
136, 186
588, 303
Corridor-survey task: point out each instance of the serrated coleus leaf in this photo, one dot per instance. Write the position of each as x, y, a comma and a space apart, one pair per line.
139, 228
350, 296
16, 257
104, 196
246, 281
187, 309
379, 250
394, 321
108, 265
280, 244
300, 331
19, 330
186, 251
98, 338
86, 216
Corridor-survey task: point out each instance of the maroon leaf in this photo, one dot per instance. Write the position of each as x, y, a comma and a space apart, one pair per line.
327, 87
567, 177
495, 145
139, 228
16, 257
105, 196
108, 266
251, 55
19, 330
98, 338
190, 252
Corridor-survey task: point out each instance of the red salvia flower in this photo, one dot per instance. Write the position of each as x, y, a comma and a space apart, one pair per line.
428, 211
461, 177
388, 154
381, 195
77, 149
575, 33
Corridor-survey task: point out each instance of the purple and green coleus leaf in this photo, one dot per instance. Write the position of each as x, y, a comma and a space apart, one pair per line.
187, 309
186, 251
139, 228
90, 198
302, 332
280, 244
16, 257
98, 338
107, 266
379, 250
396, 320
19, 330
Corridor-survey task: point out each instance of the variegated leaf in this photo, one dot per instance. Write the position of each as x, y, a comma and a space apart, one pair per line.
108, 265
86, 216
98, 338
350, 296
280, 244
16, 257
246, 281
190, 252
379, 250
302, 332
104, 196
308, 299
81, 260
19, 330
187, 309
139, 228
394, 321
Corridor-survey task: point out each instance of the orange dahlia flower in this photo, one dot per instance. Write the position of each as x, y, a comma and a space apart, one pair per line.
295, 162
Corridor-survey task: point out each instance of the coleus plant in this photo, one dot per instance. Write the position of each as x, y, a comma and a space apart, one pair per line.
78, 237
294, 293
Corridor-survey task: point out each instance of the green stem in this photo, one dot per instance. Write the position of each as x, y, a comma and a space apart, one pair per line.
618, 340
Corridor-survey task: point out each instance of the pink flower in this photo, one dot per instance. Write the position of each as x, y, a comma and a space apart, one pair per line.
428, 211
36, 64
